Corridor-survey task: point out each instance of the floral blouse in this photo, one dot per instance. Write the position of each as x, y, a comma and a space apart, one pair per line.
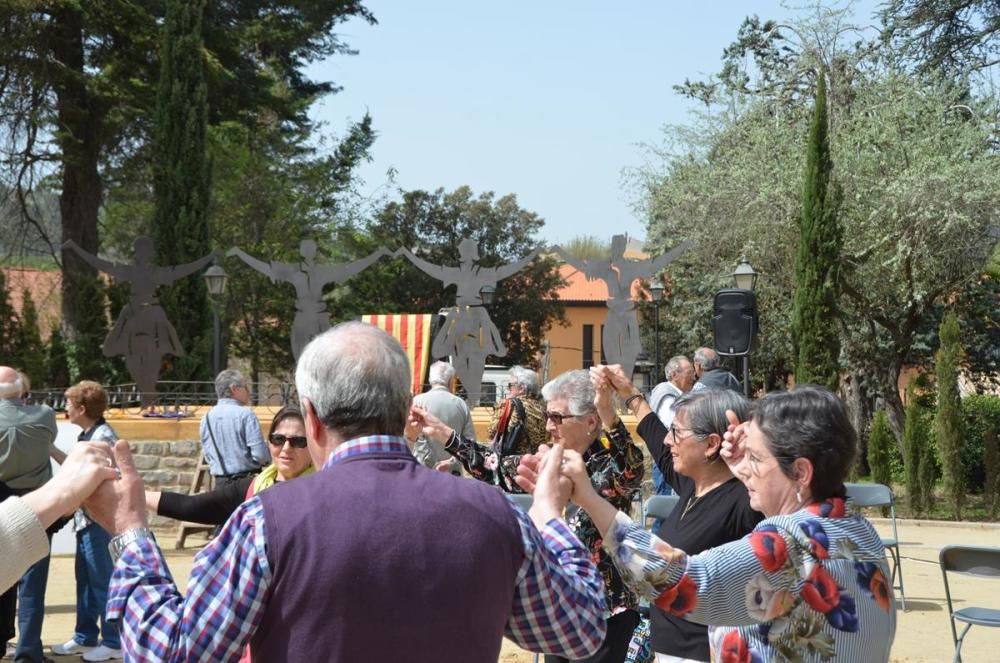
809, 586
615, 466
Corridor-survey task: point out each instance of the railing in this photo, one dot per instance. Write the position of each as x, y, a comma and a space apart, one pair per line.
173, 399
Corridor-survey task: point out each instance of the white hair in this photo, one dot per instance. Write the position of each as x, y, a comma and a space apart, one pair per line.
226, 380
440, 372
525, 377
357, 378
575, 387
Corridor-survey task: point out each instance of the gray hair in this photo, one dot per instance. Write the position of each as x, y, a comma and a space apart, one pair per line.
707, 358
705, 410
440, 372
12, 389
575, 387
357, 378
674, 365
809, 422
226, 380
525, 377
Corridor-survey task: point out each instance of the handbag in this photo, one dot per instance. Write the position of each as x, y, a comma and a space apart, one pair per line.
640, 647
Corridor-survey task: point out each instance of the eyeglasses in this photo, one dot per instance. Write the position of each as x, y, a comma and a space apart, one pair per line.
676, 431
297, 441
557, 417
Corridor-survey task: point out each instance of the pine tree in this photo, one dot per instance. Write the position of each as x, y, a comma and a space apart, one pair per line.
880, 443
948, 418
814, 314
914, 443
85, 355
58, 361
30, 351
181, 183
8, 323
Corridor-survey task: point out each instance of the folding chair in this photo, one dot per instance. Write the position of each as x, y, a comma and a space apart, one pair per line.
979, 561
660, 506
877, 494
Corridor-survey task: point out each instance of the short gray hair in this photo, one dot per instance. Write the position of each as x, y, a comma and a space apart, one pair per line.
525, 377
674, 365
357, 378
707, 357
440, 372
705, 410
575, 387
226, 380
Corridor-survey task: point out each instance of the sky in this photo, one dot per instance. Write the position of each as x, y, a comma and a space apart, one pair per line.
550, 100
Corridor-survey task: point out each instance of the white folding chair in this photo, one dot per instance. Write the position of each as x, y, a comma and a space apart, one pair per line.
979, 561
877, 494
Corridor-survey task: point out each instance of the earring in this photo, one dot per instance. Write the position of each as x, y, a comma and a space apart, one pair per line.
798, 495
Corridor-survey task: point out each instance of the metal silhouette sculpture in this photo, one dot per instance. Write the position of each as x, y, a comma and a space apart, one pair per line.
468, 335
142, 332
309, 279
620, 340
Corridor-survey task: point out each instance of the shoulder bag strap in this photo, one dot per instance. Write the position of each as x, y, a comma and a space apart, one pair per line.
215, 447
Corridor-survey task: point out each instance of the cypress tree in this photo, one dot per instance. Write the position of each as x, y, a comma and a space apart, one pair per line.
58, 361
30, 349
8, 322
814, 314
880, 443
181, 183
86, 358
948, 418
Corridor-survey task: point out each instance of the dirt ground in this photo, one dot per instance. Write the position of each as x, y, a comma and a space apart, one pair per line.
922, 636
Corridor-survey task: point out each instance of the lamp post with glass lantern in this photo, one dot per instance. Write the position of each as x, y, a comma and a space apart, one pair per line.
656, 291
215, 281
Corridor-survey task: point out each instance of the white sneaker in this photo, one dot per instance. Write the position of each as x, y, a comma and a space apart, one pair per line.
102, 653
71, 648
10, 650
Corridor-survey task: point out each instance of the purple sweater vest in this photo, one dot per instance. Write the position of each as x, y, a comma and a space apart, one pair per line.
378, 558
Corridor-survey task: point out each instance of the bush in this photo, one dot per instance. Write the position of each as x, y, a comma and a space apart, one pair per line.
915, 444
980, 414
880, 450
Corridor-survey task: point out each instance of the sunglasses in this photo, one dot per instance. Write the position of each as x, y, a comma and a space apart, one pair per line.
557, 417
297, 441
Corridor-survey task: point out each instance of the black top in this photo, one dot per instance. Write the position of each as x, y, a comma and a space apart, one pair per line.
211, 508
721, 515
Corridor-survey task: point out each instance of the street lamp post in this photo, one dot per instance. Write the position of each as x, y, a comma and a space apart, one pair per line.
656, 290
215, 281
745, 278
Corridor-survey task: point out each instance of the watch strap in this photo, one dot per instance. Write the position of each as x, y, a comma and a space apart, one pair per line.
119, 542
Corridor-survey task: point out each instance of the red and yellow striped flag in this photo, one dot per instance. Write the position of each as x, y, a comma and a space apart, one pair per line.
413, 331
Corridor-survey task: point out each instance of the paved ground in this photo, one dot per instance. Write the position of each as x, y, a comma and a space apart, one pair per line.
923, 635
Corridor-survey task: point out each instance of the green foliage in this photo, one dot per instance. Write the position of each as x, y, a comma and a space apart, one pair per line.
30, 351
588, 247
87, 359
880, 448
815, 336
915, 447
432, 224
948, 418
57, 367
8, 321
991, 465
980, 416
956, 36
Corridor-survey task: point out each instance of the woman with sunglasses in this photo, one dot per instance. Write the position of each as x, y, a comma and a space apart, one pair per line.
713, 508
614, 466
289, 459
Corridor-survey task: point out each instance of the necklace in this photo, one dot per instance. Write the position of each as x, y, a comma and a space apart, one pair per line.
690, 504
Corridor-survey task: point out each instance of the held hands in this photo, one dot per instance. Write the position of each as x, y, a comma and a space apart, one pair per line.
615, 376
539, 474
120, 505
85, 468
572, 474
733, 440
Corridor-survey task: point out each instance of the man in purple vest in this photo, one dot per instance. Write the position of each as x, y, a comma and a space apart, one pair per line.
374, 556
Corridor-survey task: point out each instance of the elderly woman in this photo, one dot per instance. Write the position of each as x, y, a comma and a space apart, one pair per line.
714, 508
518, 425
612, 463
810, 583
290, 459
86, 403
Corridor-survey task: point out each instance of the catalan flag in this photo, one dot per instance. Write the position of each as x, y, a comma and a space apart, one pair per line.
413, 331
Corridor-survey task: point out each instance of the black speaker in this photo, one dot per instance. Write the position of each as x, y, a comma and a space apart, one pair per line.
734, 321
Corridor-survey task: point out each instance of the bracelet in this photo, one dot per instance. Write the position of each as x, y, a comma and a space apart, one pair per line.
118, 543
631, 399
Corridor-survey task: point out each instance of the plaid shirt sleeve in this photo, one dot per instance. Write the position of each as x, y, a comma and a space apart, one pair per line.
221, 609
559, 597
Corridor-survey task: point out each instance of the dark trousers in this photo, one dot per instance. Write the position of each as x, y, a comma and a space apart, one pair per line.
615, 647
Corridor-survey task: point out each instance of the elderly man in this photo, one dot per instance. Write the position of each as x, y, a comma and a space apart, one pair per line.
710, 374
27, 434
231, 437
446, 406
345, 565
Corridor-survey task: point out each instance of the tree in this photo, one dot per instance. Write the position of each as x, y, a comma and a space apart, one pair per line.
915, 445
91, 111
880, 448
30, 351
991, 463
8, 321
588, 247
948, 418
181, 183
957, 36
432, 224
815, 336
58, 361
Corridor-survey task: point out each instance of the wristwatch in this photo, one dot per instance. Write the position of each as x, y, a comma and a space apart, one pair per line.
119, 542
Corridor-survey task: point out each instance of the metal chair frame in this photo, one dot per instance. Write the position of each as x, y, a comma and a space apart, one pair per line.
879, 494
659, 506
978, 561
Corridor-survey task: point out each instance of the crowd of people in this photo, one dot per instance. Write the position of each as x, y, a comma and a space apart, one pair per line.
369, 523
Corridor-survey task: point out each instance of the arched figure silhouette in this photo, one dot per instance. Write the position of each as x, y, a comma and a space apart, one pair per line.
620, 340
142, 332
468, 335
309, 279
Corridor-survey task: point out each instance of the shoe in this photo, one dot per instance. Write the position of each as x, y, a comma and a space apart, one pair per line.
71, 648
9, 650
102, 653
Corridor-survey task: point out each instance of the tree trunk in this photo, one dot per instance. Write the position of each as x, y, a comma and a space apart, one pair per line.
859, 411
893, 404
